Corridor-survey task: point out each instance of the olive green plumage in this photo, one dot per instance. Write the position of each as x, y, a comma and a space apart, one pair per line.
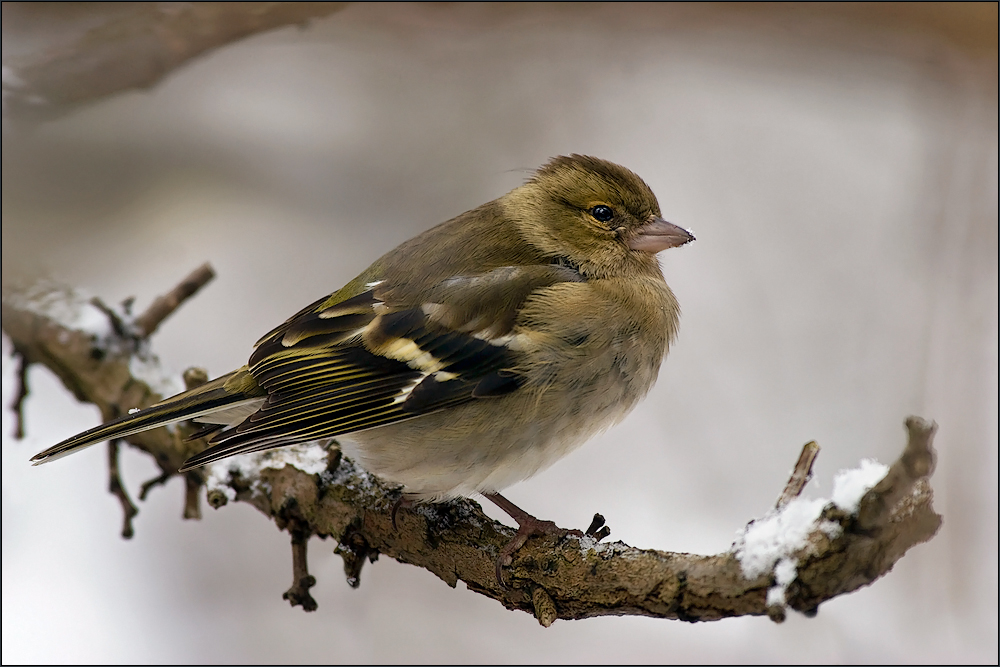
470, 356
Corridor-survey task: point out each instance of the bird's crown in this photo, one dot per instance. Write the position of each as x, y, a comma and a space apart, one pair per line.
584, 209
581, 180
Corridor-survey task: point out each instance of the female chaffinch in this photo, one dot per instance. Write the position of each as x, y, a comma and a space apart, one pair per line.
468, 358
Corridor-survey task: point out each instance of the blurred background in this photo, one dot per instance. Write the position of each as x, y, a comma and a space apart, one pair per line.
838, 164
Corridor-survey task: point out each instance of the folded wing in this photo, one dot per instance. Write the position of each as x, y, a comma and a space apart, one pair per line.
384, 356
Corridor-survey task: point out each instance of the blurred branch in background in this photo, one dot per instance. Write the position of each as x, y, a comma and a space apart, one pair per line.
801, 554
94, 50
970, 26
132, 45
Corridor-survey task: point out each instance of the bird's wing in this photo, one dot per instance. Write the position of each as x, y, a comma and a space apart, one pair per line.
385, 355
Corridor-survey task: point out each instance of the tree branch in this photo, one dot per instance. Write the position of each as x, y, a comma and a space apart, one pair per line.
314, 490
135, 48
163, 306
22, 393
117, 489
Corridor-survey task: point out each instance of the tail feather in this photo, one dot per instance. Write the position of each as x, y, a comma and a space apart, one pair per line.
208, 398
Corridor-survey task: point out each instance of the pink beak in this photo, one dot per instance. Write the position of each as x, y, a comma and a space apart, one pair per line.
657, 235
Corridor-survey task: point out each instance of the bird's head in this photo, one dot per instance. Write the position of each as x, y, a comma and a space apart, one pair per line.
594, 214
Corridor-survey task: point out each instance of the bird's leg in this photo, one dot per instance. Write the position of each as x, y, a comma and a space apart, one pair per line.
527, 526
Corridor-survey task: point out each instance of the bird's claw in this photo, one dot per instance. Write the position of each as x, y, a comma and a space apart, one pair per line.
404, 502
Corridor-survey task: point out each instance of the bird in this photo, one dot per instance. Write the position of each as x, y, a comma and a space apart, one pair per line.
468, 358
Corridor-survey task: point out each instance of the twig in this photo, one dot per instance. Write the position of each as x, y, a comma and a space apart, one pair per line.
302, 581
164, 305
801, 474
117, 489
121, 328
192, 494
150, 484
22, 393
544, 607
354, 549
195, 376
106, 382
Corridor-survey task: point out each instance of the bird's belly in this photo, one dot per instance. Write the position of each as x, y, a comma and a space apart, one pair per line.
477, 447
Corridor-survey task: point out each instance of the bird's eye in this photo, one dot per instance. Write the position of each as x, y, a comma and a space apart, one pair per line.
602, 213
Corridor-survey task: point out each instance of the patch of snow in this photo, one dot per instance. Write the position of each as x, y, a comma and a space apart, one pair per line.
146, 368
309, 457
218, 480
785, 571
589, 545
784, 574
70, 308
850, 486
351, 476
776, 535
770, 543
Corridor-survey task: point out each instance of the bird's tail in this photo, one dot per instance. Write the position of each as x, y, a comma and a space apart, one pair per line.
211, 397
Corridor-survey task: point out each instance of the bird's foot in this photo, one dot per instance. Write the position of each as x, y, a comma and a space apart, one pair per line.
528, 526
531, 528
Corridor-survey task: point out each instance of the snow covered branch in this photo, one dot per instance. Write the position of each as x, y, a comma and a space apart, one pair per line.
798, 555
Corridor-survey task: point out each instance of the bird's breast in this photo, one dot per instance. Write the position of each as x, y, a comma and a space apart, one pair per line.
588, 353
